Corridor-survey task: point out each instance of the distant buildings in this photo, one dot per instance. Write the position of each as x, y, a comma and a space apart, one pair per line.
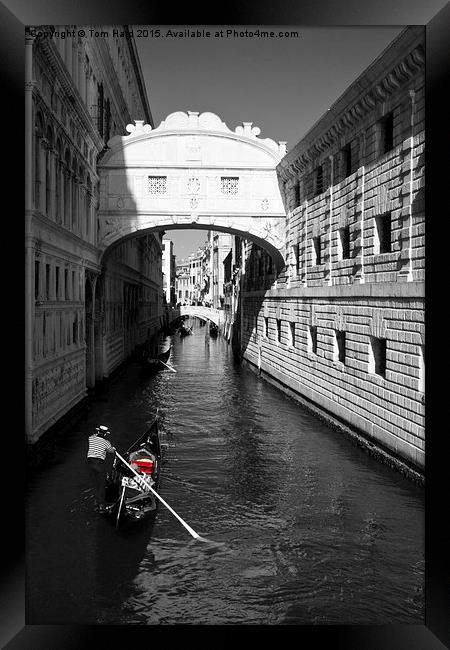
169, 272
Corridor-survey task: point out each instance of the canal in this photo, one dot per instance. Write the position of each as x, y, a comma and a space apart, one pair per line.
303, 526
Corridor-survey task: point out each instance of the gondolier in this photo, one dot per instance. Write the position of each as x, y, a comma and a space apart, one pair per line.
98, 448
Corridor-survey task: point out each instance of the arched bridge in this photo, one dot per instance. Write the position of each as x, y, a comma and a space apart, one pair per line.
192, 171
217, 316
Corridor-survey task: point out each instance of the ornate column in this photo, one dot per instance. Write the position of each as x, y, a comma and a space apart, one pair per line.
42, 174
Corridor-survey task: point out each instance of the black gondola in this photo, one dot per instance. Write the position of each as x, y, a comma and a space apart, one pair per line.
213, 330
185, 331
127, 497
153, 364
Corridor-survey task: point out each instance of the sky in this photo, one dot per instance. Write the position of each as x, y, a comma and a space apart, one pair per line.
281, 84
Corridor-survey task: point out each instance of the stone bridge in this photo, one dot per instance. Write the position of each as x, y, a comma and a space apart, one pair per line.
217, 316
192, 171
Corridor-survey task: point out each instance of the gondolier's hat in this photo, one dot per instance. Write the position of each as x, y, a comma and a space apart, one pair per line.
102, 430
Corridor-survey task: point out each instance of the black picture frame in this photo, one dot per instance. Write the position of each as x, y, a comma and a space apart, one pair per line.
14, 15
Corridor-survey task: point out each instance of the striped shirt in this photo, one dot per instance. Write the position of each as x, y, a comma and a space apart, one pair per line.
98, 447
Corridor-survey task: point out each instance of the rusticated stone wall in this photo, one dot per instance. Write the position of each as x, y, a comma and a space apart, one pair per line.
343, 326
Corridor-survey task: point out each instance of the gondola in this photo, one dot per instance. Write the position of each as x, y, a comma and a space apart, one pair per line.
128, 499
153, 364
185, 331
213, 330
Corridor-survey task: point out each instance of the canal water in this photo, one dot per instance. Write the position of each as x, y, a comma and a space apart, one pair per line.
302, 527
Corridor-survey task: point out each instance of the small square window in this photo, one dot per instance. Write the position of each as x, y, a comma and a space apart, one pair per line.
292, 333
312, 339
296, 195
278, 330
377, 356
421, 385
316, 251
382, 242
347, 160
340, 345
319, 180
344, 243
387, 133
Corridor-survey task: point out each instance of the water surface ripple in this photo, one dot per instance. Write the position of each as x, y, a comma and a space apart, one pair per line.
303, 527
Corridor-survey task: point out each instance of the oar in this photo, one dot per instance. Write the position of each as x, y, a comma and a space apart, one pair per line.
120, 506
141, 480
165, 364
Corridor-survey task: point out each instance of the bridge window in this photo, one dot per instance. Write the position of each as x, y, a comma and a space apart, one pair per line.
157, 184
229, 184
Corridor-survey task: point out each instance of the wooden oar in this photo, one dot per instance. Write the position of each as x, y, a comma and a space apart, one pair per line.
141, 480
165, 364
120, 506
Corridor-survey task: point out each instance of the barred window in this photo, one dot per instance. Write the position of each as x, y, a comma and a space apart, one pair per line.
157, 184
229, 184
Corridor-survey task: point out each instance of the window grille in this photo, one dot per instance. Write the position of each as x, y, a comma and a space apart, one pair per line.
319, 180
229, 184
157, 184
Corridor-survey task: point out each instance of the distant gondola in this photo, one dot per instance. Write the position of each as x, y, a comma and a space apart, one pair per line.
185, 331
153, 364
213, 330
128, 498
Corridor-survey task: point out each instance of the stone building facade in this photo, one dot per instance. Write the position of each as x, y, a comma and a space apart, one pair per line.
86, 308
343, 327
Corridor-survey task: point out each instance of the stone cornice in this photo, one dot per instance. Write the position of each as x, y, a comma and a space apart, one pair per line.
372, 88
